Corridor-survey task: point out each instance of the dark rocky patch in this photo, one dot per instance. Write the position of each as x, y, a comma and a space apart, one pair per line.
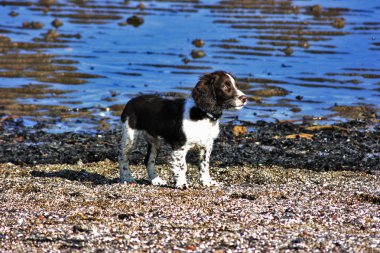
354, 145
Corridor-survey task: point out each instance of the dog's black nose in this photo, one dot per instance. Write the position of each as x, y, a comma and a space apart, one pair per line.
243, 98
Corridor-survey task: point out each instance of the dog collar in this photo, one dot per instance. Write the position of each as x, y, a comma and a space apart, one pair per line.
212, 116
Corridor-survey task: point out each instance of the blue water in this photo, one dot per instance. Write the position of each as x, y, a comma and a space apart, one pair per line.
341, 66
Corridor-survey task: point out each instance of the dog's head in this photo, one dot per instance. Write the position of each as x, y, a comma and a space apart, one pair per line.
218, 91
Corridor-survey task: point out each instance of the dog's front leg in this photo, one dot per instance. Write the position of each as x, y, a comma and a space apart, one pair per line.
179, 167
206, 179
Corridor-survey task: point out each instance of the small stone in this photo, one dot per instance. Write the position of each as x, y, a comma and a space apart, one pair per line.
288, 51
13, 14
51, 35
135, 20
57, 23
295, 109
191, 247
339, 23
140, 6
297, 240
37, 25
79, 229
20, 221
197, 54
198, 43
26, 24
239, 130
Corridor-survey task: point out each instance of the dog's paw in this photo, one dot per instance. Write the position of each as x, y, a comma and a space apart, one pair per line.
181, 183
210, 183
158, 181
182, 186
127, 180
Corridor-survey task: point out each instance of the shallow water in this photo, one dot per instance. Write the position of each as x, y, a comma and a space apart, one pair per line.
296, 60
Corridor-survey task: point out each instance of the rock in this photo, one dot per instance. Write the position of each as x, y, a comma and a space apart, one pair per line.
135, 20
51, 35
140, 6
13, 14
239, 130
57, 23
296, 109
186, 60
288, 51
198, 43
197, 54
339, 23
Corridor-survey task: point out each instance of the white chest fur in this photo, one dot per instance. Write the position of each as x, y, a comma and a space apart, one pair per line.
200, 132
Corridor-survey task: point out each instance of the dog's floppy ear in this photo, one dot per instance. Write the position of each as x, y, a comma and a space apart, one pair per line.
204, 93
204, 86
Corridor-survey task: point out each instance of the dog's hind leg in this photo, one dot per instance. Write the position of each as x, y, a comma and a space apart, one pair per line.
150, 161
128, 139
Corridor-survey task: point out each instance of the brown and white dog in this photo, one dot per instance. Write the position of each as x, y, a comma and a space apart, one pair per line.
182, 123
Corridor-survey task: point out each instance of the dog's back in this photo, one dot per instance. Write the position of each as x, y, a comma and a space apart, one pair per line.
159, 117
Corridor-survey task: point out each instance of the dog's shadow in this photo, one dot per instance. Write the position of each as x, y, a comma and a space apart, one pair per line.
74, 175
82, 176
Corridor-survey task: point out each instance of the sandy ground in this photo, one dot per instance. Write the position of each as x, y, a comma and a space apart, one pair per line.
69, 208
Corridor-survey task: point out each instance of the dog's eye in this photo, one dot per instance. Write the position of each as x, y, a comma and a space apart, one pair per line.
226, 85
